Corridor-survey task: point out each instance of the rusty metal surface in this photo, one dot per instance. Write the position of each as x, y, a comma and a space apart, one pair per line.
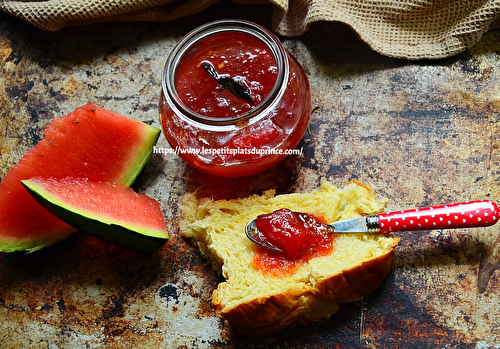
419, 133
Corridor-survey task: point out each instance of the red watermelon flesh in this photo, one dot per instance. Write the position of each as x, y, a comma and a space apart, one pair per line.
91, 143
110, 211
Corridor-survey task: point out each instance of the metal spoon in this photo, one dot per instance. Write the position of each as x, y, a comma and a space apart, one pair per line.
227, 82
480, 213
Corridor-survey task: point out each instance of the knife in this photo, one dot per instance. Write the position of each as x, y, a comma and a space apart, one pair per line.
480, 213
470, 214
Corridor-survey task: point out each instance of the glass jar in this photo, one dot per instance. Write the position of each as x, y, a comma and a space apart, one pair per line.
234, 102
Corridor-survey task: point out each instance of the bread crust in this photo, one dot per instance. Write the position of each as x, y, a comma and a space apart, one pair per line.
305, 303
274, 313
352, 284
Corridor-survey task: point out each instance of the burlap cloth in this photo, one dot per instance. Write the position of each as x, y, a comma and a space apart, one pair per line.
410, 29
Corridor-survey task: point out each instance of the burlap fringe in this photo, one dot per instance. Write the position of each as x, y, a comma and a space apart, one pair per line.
409, 29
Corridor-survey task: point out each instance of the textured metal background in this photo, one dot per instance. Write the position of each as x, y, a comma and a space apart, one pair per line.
419, 133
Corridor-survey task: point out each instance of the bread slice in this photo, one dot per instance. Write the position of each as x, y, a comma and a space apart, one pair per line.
259, 302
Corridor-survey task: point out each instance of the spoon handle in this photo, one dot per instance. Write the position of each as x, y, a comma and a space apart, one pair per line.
480, 213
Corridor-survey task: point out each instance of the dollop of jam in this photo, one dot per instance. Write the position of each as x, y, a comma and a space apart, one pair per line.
301, 237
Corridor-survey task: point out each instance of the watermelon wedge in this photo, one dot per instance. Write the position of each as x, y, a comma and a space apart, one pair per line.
91, 143
110, 211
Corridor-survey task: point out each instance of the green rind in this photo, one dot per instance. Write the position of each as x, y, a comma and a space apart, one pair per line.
28, 246
137, 238
11, 246
151, 134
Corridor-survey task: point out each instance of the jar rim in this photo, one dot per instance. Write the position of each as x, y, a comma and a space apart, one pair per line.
189, 40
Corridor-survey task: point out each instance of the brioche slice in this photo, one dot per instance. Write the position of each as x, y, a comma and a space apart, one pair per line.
259, 302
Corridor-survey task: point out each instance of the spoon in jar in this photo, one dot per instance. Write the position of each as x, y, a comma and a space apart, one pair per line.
228, 82
480, 213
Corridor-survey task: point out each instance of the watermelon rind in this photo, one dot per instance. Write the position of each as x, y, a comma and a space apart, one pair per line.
25, 225
136, 237
150, 138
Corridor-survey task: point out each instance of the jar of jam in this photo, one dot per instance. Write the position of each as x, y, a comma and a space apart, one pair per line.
234, 102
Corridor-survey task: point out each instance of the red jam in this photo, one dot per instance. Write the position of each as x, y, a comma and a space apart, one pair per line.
215, 129
234, 55
300, 236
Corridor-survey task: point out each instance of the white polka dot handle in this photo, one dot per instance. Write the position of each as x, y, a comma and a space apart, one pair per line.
481, 213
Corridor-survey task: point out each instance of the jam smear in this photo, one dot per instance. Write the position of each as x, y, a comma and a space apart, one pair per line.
300, 236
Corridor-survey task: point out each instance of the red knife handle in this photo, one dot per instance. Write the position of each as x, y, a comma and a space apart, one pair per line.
480, 213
